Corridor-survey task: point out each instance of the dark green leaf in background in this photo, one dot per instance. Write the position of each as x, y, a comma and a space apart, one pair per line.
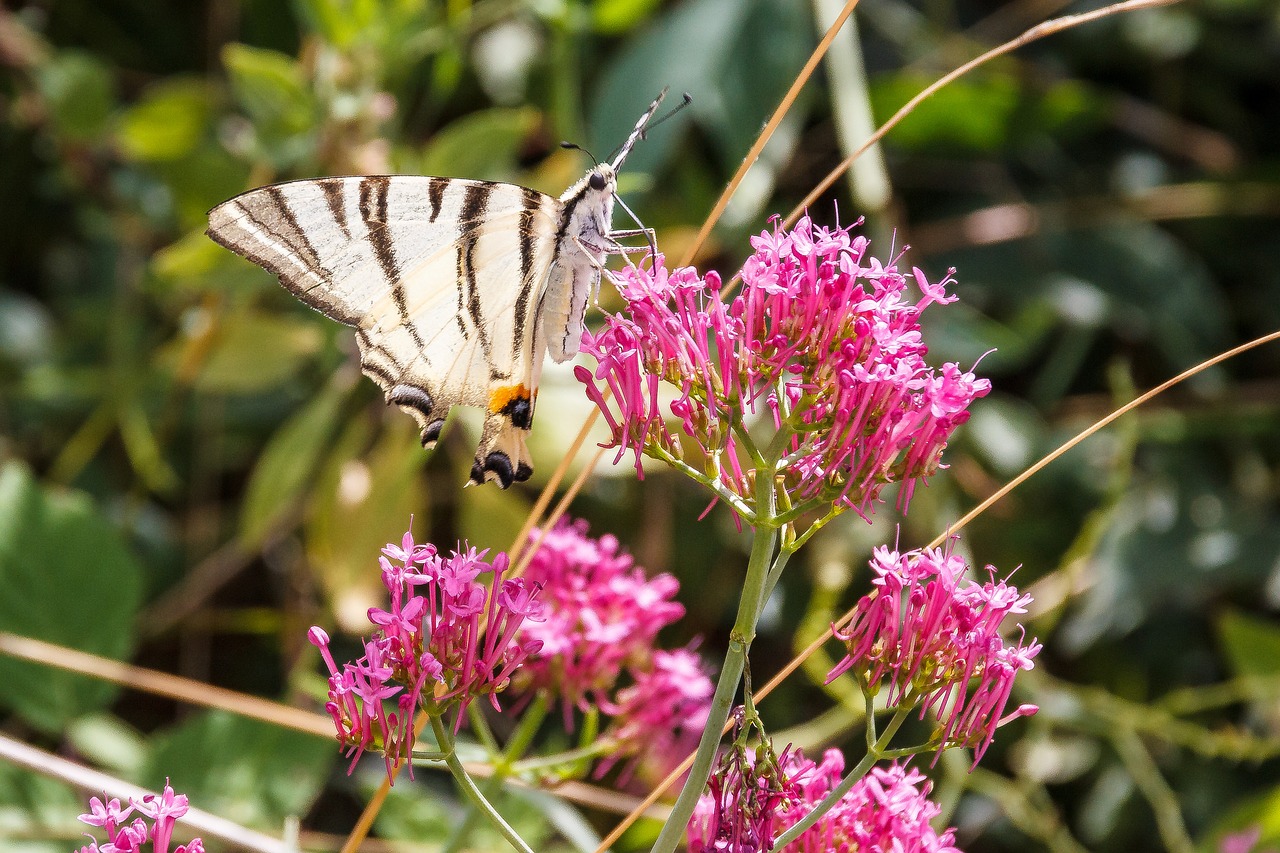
287, 464
252, 773
80, 92
168, 122
68, 578
735, 59
483, 145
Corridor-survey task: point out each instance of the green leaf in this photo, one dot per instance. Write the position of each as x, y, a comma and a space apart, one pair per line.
484, 144
736, 59
251, 353
194, 264
337, 22
249, 772
973, 113
271, 87
1250, 644
363, 501
614, 17
79, 92
34, 807
109, 743
287, 465
197, 181
168, 123
68, 579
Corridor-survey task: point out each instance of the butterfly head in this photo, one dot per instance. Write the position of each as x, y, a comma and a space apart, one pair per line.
602, 179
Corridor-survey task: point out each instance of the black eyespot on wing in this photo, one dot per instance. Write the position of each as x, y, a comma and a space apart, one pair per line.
431, 433
523, 472
520, 412
412, 396
496, 463
596, 181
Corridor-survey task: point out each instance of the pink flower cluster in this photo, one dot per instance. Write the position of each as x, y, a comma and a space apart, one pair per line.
131, 837
887, 811
601, 614
601, 618
659, 717
822, 340
934, 635
448, 638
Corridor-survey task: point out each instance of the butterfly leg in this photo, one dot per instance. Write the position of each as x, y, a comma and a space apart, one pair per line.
618, 248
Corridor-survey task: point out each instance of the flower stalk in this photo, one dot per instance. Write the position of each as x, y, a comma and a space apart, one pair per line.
752, 601
469, 789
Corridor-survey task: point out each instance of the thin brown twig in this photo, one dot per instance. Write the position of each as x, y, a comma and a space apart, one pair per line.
1004, 222
158, 683
557, 476
561, 508
1036, 33
821, 640
765, 135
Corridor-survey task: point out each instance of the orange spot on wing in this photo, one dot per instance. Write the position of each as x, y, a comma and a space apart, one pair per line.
503, 396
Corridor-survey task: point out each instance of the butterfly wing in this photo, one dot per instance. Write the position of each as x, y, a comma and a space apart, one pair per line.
442, 278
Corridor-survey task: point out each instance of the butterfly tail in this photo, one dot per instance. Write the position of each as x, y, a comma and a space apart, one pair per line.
502, 456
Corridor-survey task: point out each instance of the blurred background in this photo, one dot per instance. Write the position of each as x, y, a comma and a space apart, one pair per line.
192, 470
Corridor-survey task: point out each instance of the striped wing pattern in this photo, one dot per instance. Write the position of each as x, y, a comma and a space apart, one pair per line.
442, 278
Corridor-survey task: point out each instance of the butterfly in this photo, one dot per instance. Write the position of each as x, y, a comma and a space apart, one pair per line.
456, 288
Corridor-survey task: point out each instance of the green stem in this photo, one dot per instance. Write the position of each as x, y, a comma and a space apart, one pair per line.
775, 572
744, 631
873, 755
469, 789
427, 755
568, 756
744, 440
503, 766
738, 504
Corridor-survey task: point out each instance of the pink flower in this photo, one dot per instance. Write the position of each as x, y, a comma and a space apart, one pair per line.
661, 715
1244, 841
107, 815
934, 636
821, 342
164, 810
751, 802
447, 639
602, 615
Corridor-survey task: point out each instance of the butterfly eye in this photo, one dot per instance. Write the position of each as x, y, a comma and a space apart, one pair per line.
596, 181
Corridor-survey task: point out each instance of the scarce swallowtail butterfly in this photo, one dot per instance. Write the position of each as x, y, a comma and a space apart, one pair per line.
456, 288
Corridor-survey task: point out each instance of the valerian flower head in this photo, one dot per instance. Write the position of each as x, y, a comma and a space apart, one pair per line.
601, 615
933, 636
448, 638
163, 812
751, 802
822, 343
659, 717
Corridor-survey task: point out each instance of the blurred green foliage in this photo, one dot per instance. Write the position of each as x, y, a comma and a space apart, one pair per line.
193, 470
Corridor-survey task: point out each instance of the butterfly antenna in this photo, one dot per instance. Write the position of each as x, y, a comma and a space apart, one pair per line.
688, 99
573, 146
637, 133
